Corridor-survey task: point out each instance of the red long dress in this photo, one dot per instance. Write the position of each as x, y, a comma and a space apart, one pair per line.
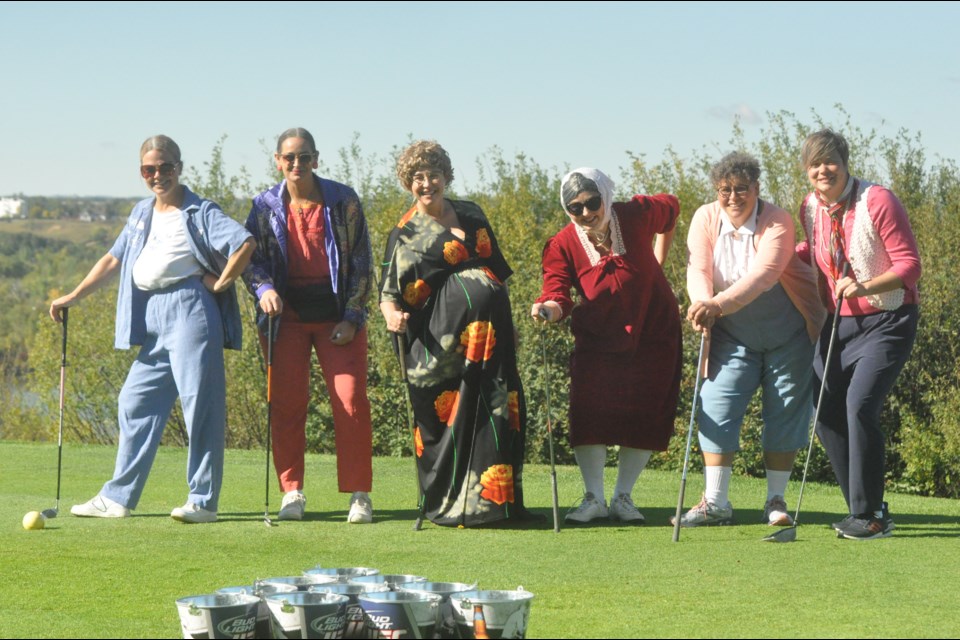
626, 363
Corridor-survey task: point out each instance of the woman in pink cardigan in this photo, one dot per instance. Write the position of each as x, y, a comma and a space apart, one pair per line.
760, 306
859, 236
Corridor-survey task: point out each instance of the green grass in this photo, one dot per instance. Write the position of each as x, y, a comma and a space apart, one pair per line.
94, 578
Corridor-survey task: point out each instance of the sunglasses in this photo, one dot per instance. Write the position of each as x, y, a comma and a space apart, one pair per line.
304, 158
165, 170
740, 190
593, 204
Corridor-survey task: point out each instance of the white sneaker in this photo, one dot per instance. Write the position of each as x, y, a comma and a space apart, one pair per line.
623, 509
292, 506
100, 507
775, 513
193, 514
588, 510
361, 508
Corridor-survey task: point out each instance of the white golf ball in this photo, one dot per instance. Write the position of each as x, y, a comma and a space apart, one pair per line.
33, 521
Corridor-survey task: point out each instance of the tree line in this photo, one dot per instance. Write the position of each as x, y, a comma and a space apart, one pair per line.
520, 197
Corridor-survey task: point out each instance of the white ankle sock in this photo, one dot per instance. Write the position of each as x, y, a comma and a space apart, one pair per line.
777, 483
632, 464
717, 484
591, 459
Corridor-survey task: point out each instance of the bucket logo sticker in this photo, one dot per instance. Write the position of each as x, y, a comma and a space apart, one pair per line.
238, 627
329, 626
382, 627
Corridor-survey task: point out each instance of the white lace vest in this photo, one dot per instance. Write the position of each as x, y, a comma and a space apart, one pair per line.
865, 251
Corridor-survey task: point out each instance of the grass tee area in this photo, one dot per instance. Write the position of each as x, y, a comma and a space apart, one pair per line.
119, 578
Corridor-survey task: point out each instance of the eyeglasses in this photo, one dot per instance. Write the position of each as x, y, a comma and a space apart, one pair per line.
304, 158
593, 204
423, 177
740, 190
165, 170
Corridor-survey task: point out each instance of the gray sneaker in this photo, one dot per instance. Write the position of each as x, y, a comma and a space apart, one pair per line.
361, 508
622, 509
706, 514
775, 513
588, 510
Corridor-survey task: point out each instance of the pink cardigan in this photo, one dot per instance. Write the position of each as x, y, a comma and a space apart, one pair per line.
774, 240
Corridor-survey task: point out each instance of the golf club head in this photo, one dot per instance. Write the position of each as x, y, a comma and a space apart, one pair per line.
418, 524
49, 513
784, 535
267, 521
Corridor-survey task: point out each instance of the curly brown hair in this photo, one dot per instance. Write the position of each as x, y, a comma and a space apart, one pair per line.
423, 154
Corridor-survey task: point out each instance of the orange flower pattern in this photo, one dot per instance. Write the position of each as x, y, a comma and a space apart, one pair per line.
497, 483
454, 252
446, 406
490, 274
513, 410
416, 293
484, 247
479, 339
418, 442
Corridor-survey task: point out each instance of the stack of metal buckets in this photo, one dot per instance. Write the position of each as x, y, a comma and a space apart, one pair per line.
355, 602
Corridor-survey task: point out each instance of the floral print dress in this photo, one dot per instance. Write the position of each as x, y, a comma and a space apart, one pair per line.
461, 366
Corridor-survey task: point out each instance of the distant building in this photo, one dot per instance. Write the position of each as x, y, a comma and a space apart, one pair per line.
13, 208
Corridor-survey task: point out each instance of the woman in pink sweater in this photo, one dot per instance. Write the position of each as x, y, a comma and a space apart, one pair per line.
859, 236
760, 306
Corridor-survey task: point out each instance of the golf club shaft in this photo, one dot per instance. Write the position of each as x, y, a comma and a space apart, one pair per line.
266, 490
553, 468
63, 379
816, 413
686, 455
401, 354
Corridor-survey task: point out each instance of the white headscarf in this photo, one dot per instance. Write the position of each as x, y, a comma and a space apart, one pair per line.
604, 185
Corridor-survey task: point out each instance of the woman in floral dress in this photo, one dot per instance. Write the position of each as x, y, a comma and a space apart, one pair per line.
443, 287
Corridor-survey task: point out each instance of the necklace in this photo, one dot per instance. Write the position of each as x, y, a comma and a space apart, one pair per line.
601, 239
303, 204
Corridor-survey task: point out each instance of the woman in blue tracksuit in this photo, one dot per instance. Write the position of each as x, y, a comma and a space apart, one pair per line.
177, 257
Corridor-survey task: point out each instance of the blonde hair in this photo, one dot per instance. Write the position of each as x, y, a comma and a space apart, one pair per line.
160, 143
423, 154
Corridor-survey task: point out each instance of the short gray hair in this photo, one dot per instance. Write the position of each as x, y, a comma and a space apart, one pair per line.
736, 164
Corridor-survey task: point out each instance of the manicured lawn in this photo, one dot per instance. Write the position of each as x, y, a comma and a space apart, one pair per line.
95, 578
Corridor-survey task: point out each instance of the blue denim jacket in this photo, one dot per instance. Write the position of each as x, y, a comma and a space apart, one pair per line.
213, 237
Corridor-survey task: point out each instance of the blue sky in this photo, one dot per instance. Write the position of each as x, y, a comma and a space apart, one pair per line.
565, 83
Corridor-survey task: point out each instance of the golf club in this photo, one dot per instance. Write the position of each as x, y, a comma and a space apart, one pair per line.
546, 376
686, 456
52, 513
790, 533
266, 499
401, 353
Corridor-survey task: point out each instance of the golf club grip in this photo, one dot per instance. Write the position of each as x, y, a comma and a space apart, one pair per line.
63, 348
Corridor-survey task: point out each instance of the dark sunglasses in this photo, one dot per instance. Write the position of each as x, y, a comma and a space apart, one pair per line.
165, 170
593, 204
304, 158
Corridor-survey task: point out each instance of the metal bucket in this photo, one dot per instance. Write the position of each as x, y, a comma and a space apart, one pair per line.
307, 615
389, 579
355, 625
302, 583
218, 615
499, 614
396, 614
341, 574
446, 623
259, 589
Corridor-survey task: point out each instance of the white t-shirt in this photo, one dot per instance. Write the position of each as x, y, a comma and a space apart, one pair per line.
734, 252
166, 257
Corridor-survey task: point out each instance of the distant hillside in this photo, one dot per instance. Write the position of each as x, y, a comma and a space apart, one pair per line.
67, 230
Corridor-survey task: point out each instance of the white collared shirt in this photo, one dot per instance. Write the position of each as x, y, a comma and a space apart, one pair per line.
734, 251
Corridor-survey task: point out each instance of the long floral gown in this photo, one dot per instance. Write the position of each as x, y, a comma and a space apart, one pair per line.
461, 366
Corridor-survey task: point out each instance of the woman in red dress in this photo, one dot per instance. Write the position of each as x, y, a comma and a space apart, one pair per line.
626, 362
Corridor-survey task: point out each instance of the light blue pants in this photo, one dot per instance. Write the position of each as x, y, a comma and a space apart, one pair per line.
765, 345
181, 355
